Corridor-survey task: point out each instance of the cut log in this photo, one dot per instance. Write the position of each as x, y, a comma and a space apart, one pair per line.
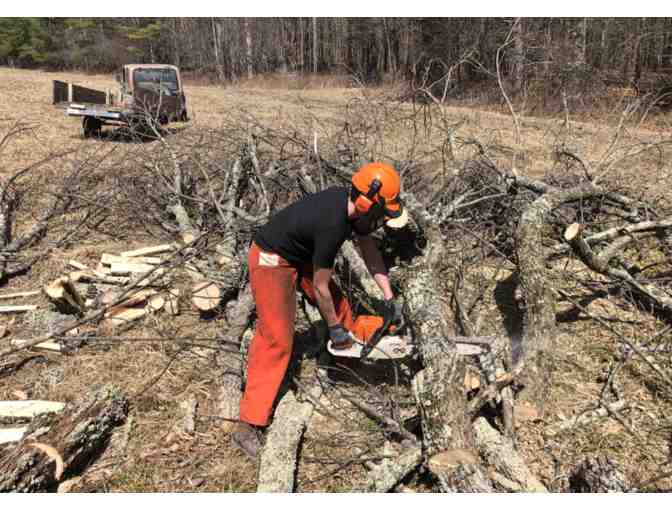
28, 408
45, 346
108, 259
155, 278
95, 276
122, 316
205, 296
150, 250
62, 293
12, 435
123, 268
501, 456
136, 298
17, 308
156, 303
78, 265
57, 446
664, 225
20, 294
277, 464
601, 264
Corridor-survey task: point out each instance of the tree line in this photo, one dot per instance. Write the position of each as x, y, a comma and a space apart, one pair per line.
443, 52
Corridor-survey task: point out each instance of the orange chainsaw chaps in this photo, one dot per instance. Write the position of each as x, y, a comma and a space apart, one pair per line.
365, 326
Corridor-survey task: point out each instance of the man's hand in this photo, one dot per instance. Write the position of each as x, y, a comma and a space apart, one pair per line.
340, 337
394, 310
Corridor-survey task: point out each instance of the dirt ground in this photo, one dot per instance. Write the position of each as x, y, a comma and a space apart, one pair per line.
152, 453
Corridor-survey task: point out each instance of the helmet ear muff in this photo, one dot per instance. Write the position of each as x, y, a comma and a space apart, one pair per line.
364, 202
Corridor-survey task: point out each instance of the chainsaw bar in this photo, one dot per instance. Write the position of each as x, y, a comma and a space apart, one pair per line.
389, 347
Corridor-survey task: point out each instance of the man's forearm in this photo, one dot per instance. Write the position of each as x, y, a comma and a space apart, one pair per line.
376, 265
383, 281
325, 303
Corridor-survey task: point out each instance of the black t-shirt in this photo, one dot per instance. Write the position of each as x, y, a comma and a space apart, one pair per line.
310, 230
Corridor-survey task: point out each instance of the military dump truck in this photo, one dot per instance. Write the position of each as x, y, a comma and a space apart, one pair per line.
148, 93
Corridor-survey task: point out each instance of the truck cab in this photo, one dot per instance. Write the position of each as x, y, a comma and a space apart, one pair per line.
153, 88
147, 93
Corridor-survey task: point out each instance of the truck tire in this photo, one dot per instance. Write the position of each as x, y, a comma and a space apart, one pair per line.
91, 127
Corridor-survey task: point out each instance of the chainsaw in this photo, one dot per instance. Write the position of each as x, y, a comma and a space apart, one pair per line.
384, 343
388, 342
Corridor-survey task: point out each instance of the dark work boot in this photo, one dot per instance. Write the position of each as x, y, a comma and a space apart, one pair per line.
247, 438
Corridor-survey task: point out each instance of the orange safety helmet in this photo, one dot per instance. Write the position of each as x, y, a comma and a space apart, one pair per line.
379, 184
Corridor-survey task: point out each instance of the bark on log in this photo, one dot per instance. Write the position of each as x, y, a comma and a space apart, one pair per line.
598, 474
539, 331
500, 454
230, 392
277, 463
439, 387
57, 446
385, 476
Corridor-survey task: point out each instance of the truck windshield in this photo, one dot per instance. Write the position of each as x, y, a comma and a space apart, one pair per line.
151, 78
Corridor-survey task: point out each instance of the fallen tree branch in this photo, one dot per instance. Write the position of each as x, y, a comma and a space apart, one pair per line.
385, 476
585, 418
73, 437
600, 264
500, 454
277, 464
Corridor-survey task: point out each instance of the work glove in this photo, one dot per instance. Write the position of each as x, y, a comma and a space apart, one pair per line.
394, 310
340, 337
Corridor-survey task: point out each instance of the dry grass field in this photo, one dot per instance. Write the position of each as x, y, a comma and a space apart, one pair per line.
151, 452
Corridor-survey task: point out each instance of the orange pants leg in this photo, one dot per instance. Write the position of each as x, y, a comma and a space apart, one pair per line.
274, 291
343, 310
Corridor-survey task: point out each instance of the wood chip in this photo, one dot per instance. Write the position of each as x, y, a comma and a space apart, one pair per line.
173, 302
108, 260
78, 265
121, 269
151, 250
20, 294
28, 408
17, 308
45, 346
12, 435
